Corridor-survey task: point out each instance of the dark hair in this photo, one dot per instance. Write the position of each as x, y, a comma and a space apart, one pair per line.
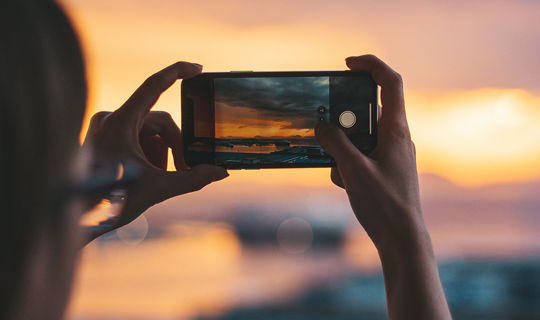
42, 101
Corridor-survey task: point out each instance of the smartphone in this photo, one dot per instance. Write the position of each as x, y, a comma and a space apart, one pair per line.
253, 120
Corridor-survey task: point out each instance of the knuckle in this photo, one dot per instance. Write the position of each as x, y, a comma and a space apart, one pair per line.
371, 57
154, 82
115, 118
395, 79
180, 63
163, 115
100, 116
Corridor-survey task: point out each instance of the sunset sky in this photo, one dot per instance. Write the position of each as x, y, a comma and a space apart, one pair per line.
269, 107
470, 67
472, 91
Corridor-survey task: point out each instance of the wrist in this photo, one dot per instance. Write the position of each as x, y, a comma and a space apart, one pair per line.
410, 240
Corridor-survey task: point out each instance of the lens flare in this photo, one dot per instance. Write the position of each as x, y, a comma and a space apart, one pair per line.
134, 232
294, 235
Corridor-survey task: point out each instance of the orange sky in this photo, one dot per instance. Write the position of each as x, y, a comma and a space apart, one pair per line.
246, 122
472, 98
473, 103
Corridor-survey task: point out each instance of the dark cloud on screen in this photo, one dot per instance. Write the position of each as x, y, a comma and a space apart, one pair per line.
294, 100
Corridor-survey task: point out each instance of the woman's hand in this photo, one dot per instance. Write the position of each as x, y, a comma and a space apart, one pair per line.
135, 135
383, 192
382, 187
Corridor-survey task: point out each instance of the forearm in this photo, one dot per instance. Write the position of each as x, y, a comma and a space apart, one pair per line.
413, 287
384, 195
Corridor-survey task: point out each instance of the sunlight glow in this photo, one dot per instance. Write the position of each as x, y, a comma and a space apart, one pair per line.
477, 136
472, 137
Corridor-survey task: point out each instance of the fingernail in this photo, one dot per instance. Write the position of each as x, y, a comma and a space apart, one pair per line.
197, 65
320, 126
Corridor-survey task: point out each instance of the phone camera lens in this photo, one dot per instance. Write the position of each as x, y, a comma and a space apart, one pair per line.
322, 109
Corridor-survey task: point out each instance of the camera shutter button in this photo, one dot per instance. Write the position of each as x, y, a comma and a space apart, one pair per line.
347, 119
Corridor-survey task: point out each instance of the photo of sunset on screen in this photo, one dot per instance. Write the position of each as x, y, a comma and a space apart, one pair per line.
269, 119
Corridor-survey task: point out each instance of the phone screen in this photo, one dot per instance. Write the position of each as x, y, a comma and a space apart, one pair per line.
270, 121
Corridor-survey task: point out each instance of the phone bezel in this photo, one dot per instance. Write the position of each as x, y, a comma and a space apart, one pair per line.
188, 126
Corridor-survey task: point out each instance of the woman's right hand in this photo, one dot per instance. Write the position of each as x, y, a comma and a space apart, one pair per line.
383, 186
383, 191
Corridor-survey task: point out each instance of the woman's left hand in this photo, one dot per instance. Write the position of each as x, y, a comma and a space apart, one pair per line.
133, 134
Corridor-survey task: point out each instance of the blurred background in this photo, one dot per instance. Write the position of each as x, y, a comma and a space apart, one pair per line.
284, 244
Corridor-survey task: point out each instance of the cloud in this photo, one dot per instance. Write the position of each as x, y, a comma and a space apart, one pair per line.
442, 48
477, 136
435, 45
292, 101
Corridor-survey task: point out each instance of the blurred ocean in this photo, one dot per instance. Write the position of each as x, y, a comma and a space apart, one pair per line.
267, 251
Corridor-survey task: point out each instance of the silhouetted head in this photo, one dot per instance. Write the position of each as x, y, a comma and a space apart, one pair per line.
42, 101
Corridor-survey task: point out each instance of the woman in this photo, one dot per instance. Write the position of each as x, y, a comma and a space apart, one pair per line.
43, 98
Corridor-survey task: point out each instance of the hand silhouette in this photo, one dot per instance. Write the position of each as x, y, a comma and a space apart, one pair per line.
137, 136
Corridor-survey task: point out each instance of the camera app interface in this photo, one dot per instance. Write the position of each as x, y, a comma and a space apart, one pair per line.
271, 120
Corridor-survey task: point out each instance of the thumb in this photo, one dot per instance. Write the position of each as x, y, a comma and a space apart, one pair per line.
336, 143
195, 179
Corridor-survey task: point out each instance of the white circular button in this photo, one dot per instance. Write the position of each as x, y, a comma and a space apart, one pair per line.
347, 119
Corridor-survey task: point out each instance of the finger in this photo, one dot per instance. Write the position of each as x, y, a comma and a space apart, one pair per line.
336, 177
391, 86
96, 122
144, 98
97, 119
155, 150
162, 124
334, 141
181, 182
